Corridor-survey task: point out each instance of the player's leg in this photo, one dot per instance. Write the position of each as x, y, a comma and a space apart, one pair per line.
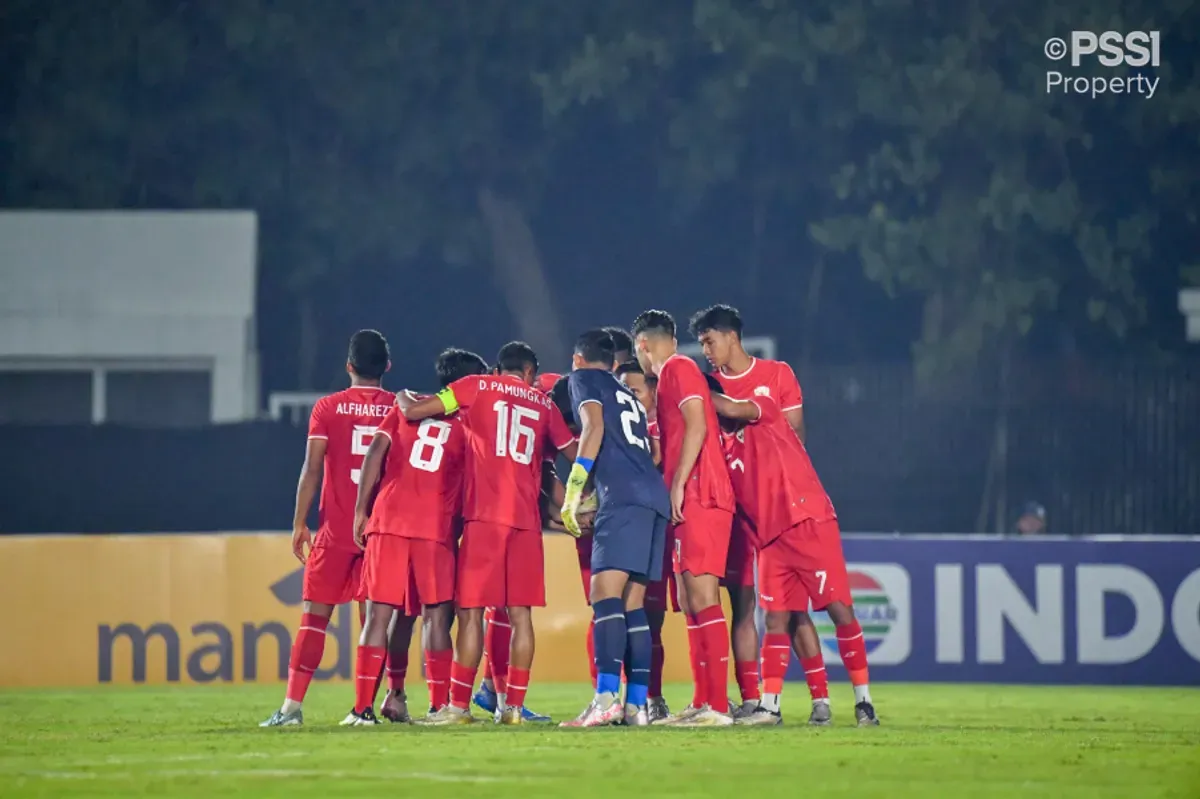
395, 703
369, 661
387, 582
695, 642
325, 577
583, 550
439, 653
479, 584
639, 651
807, 646
776, 652
434, 575
524, 589
705, 547
497, 646
739, 583
656, 614
824, 571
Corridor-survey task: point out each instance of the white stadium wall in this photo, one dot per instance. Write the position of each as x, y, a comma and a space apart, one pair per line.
143, 299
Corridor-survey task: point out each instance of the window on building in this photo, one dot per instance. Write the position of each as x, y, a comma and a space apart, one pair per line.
45, 397
158, 398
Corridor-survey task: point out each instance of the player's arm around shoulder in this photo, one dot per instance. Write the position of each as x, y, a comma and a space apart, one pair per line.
443, 403
730, 408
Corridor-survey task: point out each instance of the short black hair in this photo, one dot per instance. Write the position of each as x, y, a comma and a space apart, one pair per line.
622, 341
713, 384
629, 368
722, 318
652, 381
515, 356
369, 354
454, 363
596, 346
560, 394
654, 322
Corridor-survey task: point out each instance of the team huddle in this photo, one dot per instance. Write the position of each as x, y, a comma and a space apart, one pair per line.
674, 484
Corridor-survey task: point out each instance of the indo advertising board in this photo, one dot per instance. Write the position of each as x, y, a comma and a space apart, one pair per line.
1089, 611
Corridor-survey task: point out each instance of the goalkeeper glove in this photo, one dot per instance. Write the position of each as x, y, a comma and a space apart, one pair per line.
574, 495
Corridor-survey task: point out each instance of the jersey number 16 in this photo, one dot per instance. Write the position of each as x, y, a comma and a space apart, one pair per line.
514, 438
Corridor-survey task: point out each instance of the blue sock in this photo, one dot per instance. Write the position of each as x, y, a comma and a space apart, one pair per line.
639, 655
609, 639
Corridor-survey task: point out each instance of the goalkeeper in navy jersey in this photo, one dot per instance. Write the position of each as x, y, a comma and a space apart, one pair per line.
630, 528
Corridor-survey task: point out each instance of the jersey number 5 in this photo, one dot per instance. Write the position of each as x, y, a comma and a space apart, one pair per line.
630, 417
360, 440
430, 446
514, 438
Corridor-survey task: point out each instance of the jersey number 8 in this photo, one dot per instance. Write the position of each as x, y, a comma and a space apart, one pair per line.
631, 417
514, 438
430, 446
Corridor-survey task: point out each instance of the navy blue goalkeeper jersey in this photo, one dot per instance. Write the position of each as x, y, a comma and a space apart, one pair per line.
624, 472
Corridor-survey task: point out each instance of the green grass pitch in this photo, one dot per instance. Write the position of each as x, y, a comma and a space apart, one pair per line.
936, 740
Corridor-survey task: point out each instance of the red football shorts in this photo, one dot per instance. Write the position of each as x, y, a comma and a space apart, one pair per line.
583, 548
408, 573
660, 592
739, 565
702, 541
805, 563
500, 567
333, 575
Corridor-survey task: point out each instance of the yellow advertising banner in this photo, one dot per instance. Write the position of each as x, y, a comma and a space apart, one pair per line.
124, 609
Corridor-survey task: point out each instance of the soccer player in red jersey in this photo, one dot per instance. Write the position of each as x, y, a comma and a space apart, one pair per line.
719, 331
339, 433
492, 695
702, 506
410, 537
800, 556
510, 426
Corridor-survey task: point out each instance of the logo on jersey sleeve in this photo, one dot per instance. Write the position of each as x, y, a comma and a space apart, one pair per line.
881, 603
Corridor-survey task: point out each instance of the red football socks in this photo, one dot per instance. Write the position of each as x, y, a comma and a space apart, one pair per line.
853, 652
496, 644
747, 678
306, 655
657, 658
366, 676
776, 652
437, 677
696, 653
518, 684
715, 637
591, 650
815, 676
462, 682
397, 670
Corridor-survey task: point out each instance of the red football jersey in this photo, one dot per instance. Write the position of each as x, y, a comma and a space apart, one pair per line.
774, 379
774, 479
347, 420
420, 493
545, 382
680, 381
511, 427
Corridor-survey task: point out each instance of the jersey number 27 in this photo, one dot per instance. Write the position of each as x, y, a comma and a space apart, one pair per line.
630, 417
